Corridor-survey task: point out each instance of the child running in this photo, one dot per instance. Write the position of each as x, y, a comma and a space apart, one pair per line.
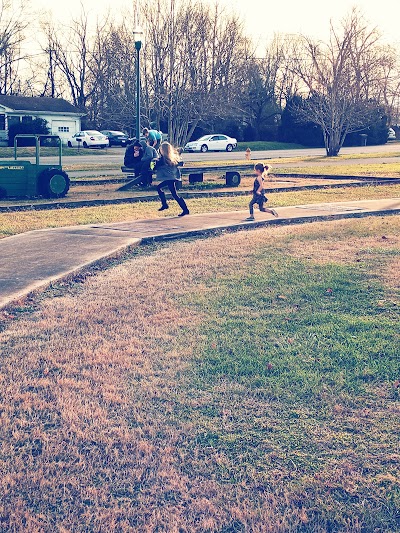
168, 173
259, 197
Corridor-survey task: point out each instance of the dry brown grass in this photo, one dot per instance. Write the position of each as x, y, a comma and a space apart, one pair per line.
88, 430
347, 248
329, 168
391, 274
101, 430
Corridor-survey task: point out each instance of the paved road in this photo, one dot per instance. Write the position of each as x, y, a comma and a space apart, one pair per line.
27, 265
303, 152
115, 155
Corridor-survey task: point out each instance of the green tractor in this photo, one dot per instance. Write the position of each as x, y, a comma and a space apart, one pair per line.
23, 179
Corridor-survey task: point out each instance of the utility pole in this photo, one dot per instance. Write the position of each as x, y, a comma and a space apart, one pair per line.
138, 37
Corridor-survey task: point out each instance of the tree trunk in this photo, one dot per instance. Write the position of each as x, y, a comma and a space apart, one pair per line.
332, 143
332, 150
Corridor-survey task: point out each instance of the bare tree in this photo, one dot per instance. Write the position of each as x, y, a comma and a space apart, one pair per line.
344, 80
69, 51
113, 69
261, 91
52, 85
13, 23
192, 59
199, 69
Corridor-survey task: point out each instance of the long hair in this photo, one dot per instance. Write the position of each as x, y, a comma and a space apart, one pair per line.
171, 156
263, 168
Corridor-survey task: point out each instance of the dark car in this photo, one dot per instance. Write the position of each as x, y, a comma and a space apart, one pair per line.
116, 138
141, 139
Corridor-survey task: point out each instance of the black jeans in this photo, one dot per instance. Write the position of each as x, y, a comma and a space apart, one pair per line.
257, 199
172, 188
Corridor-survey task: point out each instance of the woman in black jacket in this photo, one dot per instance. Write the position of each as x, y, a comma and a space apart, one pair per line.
168, 173
133, 157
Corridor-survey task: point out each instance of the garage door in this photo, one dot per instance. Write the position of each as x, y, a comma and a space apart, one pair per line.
63, 128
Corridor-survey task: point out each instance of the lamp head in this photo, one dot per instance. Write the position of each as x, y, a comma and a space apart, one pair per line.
138, 37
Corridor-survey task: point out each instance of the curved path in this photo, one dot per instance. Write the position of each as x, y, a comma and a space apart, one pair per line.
31, 261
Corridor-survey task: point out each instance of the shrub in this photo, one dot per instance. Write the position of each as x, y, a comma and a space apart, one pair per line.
377, 133
293, 131
34, 126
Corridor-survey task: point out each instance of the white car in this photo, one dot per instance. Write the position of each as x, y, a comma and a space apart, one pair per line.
391, 134
215, 142
87, 139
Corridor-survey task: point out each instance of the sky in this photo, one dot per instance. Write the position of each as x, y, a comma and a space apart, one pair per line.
263, 18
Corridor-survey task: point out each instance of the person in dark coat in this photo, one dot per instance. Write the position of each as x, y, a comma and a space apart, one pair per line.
133, 157
150, 156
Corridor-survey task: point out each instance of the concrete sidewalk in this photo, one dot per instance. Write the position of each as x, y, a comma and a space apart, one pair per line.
33, 260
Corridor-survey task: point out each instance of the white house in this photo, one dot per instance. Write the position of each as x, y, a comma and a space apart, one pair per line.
63, 118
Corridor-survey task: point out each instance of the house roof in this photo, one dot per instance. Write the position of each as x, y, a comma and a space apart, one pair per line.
40, 103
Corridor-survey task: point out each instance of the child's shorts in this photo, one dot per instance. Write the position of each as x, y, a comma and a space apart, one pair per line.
259, 199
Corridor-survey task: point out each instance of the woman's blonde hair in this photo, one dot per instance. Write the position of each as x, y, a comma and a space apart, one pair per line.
169, 153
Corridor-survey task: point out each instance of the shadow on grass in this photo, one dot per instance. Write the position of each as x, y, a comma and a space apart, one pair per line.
294, 357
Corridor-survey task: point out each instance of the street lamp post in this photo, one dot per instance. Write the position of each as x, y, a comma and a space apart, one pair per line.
138, 36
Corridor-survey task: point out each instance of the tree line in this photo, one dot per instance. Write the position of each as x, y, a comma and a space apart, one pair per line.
201, 72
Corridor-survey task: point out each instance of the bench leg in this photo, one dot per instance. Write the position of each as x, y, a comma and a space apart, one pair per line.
232, 179
130, 184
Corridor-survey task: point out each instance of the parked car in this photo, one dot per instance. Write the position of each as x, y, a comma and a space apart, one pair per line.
215, 142
142, 139
116, 138
88, 139
391, 135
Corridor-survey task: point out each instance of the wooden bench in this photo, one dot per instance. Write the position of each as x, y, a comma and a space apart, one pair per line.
196, 174
232, 173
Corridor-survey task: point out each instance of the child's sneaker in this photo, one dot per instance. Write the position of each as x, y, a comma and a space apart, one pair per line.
250, 218
274, 213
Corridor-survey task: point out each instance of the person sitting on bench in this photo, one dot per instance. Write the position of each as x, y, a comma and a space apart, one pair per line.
133, 157
150, 155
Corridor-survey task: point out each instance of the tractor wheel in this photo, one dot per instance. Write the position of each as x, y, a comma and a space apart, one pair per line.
53, 183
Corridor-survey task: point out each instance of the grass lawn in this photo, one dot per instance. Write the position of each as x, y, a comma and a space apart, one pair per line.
377, 169
246, 382
20, 222
299, 165
340, 158
267, 145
